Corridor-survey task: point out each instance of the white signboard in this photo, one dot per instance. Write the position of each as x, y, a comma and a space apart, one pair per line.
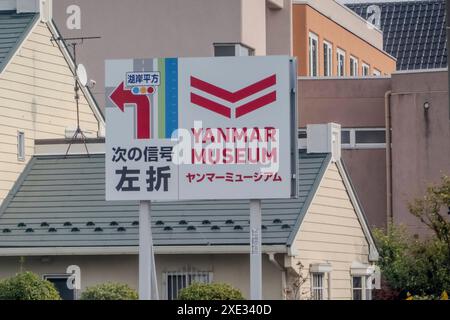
201, 128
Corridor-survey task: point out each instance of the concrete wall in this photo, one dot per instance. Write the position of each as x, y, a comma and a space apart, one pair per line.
420, 140
307, 19
171, 28
353, 103
36, 97
331, 233
231, 269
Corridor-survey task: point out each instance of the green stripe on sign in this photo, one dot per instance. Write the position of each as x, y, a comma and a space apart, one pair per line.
162, 99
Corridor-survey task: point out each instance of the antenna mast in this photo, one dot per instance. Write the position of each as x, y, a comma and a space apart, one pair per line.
73, 44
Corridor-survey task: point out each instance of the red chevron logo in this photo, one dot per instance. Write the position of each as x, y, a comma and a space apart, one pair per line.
233, 97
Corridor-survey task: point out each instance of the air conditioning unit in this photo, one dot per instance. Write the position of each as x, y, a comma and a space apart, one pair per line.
324, 138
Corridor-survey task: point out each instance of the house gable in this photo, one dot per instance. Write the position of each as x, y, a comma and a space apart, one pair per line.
332, 232
36, 97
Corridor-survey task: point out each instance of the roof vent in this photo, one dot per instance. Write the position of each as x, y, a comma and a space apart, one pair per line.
168, 228
52, 230
75, 230
237, 227
277, 221
229, 221
6, 230
21, 225
44, 224
67, 224
98, 229
90, 224
191, 228
285, 226
113, 223
121, 229
183, 222
215, 228
206, 222
29, 230
135, 223
159, 223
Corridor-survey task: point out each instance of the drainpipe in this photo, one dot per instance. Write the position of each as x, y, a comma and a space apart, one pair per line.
447, 4
387, 115
283, 273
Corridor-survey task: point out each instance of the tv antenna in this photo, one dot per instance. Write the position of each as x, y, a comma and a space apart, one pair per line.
80, 76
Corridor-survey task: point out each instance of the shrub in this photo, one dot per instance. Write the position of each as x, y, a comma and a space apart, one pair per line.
212, 291
412, 265
27, 286
109, 291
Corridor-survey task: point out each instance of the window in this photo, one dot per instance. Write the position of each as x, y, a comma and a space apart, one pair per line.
175, 281
363, 138
313, 55
353, 66
365, 70
327, 59
60, 282
340, 63
20, 146
376, 72
362, 287
232, 49
317, 286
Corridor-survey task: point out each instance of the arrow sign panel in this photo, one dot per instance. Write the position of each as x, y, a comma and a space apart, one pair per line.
122, 97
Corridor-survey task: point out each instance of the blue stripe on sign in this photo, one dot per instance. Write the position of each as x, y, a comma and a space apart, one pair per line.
171, 96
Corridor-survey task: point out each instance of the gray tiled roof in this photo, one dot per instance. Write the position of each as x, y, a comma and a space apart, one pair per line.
59, 202
413, 32
13, 29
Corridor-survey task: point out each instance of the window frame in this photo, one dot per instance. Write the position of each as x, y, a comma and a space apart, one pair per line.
168, 274
376, 72
365, 65
341, 53
317, 289
48, 276
302, 138
313, 37
354, 65
21, 145
328, 64
366, 292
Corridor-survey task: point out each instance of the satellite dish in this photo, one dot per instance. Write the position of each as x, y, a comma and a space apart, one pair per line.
82, 74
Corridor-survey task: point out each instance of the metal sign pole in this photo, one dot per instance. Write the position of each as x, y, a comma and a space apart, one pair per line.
255, 250
147, 272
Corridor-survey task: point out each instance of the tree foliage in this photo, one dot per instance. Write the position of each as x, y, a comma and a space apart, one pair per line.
419, 266
211, 291
27, 286
109, 291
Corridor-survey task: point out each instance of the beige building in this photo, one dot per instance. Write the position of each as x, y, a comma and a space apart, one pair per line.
36, 88
56, 216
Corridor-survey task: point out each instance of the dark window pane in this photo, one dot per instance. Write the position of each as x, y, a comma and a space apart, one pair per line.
357, 282
357, 294
61, 287
345, 137
302, 135
370, 136
224, 51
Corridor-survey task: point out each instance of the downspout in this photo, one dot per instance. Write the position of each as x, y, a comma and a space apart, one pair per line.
387, 114
447, 4
283, 273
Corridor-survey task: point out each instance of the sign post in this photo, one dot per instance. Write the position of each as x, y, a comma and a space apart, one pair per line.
200, 129
255, 250
148, 289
